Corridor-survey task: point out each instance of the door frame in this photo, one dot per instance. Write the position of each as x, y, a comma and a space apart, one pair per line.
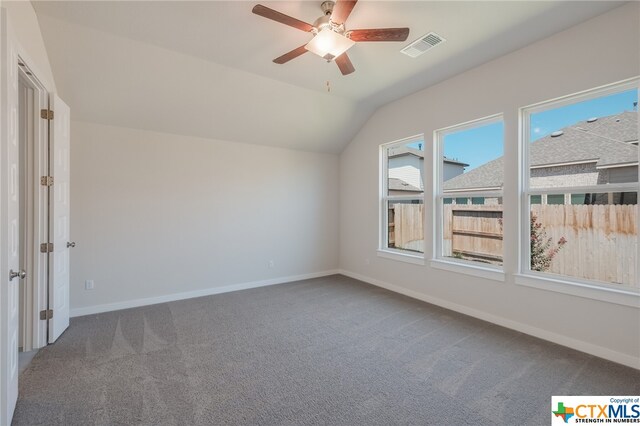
34, 334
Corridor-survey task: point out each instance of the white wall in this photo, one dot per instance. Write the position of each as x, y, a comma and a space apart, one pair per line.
597, 52
163, 90
156, 214
26, 29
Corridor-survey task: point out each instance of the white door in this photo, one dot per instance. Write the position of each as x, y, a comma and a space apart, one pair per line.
59, 147
9, 230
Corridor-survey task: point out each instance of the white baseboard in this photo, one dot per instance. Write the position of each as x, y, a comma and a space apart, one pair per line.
107, 307
550, 336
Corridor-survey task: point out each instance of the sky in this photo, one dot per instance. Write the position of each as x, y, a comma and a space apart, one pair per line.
482, 144
547, 122
475, 146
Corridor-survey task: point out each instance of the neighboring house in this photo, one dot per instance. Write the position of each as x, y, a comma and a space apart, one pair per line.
401, 187
406, 168
597, 151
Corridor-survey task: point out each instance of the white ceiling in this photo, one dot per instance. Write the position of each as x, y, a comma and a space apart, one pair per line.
205, 68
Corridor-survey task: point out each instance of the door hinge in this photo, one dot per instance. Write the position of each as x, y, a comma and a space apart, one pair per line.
46, 180
46, 314
46, 248
46, 114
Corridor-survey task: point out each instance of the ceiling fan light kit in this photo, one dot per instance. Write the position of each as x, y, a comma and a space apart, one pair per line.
329, 44
331, 40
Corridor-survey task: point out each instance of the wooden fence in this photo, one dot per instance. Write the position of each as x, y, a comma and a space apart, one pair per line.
406, 226
473, 232
601, 239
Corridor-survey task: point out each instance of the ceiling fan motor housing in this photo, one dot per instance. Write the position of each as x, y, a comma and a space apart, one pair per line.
325, 20
322, 22
327, 7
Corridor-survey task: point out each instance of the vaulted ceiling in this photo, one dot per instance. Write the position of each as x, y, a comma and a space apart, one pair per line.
205, 68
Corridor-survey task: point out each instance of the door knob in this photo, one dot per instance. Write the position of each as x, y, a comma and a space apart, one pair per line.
22, 274
71, 244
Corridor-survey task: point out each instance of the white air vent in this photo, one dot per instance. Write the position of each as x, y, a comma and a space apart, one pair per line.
422, 44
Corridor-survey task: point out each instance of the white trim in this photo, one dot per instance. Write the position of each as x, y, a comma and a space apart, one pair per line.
596, 189
582, 288
383, 189
602, 292
616, 166
465, 267
585, 95
524, 195
469, 193
415, 138
488, 189
116, 306
573, 163
566, 163
550, 336
489, 119
26, 58
401, 256
439, 193
36, 164
405, 197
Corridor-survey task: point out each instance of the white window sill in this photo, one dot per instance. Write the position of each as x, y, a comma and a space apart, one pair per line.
402, 257
621, 296
464, 268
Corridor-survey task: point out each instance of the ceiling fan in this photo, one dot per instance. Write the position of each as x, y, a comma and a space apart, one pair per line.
331, 39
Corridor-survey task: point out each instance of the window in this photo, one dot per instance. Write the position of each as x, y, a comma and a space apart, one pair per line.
580, 199
461, 201
402, 200
469, 192
580, 187
555, 199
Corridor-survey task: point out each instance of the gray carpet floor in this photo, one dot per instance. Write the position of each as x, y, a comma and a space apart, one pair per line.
327, 351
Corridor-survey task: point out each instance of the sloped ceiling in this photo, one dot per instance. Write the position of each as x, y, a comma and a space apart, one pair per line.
205, 68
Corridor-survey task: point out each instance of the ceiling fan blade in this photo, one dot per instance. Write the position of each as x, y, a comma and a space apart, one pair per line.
342, 10
290, 55
344, 63
281, 17
379, 34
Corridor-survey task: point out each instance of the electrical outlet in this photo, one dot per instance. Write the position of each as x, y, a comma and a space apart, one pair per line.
271, 264
367, 261
88, 285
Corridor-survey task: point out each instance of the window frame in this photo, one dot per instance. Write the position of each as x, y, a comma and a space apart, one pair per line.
599, 290
495, 272
383, 231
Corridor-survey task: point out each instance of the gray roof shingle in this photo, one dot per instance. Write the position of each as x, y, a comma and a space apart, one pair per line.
607, 141
396, 184
620, 127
